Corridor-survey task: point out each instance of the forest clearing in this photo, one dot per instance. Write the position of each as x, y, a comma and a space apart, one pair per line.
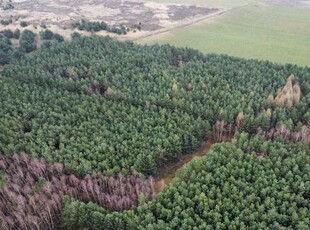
168, 172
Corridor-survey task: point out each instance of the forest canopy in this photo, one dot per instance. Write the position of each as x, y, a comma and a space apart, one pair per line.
230, 188
99, 104
90, 117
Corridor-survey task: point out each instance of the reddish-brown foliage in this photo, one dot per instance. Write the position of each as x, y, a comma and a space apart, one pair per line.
32, 194
303, 135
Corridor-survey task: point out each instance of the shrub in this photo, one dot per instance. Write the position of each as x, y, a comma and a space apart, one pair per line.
7, 6
5, 22
27, 41
75, 35
46, 35
8, 33
24, 24
58, 37
16, 34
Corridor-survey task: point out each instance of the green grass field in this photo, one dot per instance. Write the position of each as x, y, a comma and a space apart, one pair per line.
257, 30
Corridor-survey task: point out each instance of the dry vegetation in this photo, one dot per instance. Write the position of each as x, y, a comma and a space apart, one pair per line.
288, 96
32, 191
59, 15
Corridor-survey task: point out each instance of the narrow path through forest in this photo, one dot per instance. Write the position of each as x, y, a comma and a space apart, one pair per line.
168, 172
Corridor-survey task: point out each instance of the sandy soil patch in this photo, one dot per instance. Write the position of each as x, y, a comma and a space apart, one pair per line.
156, 6
60, 14
98, 11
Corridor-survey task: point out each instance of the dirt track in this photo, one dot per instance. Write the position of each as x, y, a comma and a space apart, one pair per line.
166, 175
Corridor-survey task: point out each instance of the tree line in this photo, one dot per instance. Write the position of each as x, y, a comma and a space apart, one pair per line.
99, 104
232, 187
98, 26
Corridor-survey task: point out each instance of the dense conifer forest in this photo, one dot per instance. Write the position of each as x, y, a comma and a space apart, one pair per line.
86, 124
230, 188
